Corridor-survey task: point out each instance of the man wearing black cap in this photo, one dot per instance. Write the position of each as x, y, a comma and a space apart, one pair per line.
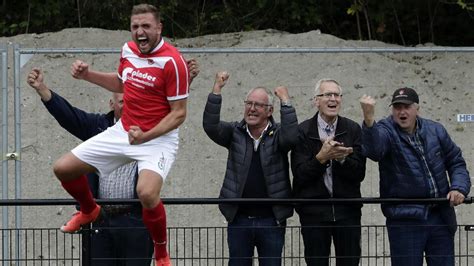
415, 157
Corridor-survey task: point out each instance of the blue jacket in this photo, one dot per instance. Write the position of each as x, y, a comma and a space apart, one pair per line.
81, 124
402, 174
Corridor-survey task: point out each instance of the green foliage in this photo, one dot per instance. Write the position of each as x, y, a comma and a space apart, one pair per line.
397, 21
355, 8
468, 6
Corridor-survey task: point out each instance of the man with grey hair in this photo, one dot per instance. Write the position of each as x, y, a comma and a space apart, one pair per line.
327, 163
257, 167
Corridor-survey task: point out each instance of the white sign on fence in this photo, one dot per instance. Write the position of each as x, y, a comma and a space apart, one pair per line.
465, 118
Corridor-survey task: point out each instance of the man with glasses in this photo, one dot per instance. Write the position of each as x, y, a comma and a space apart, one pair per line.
257, 167
415, 157
327, 163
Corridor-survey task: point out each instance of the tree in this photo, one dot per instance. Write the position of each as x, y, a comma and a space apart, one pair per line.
404, 22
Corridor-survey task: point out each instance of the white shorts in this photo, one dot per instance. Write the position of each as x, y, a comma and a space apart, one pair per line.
110, 149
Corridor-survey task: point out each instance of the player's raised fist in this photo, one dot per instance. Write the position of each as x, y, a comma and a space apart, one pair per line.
79, 69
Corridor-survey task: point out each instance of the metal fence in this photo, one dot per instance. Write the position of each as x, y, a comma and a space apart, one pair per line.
203, 245
4, 143
188, 245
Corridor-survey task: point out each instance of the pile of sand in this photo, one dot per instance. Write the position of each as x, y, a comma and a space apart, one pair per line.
443, 80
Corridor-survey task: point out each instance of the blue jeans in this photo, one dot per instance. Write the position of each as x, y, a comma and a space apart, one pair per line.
121, 240
246, 233
410, 238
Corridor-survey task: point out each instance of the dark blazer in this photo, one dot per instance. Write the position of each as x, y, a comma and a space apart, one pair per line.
308, 181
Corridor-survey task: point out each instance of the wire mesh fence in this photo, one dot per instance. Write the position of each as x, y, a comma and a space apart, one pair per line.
200, 246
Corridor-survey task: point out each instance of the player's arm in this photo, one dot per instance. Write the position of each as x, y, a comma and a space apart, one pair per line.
177, 89
109, 81
173, 120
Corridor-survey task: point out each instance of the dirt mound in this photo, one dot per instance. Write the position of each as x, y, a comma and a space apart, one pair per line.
443, 80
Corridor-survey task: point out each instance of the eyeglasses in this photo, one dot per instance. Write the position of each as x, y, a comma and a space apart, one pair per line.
329, 95
259, 106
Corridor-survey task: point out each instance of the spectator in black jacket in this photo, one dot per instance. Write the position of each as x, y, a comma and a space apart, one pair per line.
327, 163
257, 167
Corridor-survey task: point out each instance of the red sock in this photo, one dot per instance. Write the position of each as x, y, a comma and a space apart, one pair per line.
155, 220
79, 190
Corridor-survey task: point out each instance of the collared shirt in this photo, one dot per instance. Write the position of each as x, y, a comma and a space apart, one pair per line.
416, 141
256, 142
326, 131
119, 184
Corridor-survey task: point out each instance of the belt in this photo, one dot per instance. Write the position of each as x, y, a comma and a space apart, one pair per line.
113, 210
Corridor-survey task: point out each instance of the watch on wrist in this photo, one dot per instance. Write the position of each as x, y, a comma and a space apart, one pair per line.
286, 103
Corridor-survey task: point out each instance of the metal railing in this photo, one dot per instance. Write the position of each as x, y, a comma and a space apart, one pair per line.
204, 245
15, 155
264, 50
201, 246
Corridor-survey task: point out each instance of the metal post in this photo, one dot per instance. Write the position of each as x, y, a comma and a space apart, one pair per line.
86, 233
17, 103
4, 73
